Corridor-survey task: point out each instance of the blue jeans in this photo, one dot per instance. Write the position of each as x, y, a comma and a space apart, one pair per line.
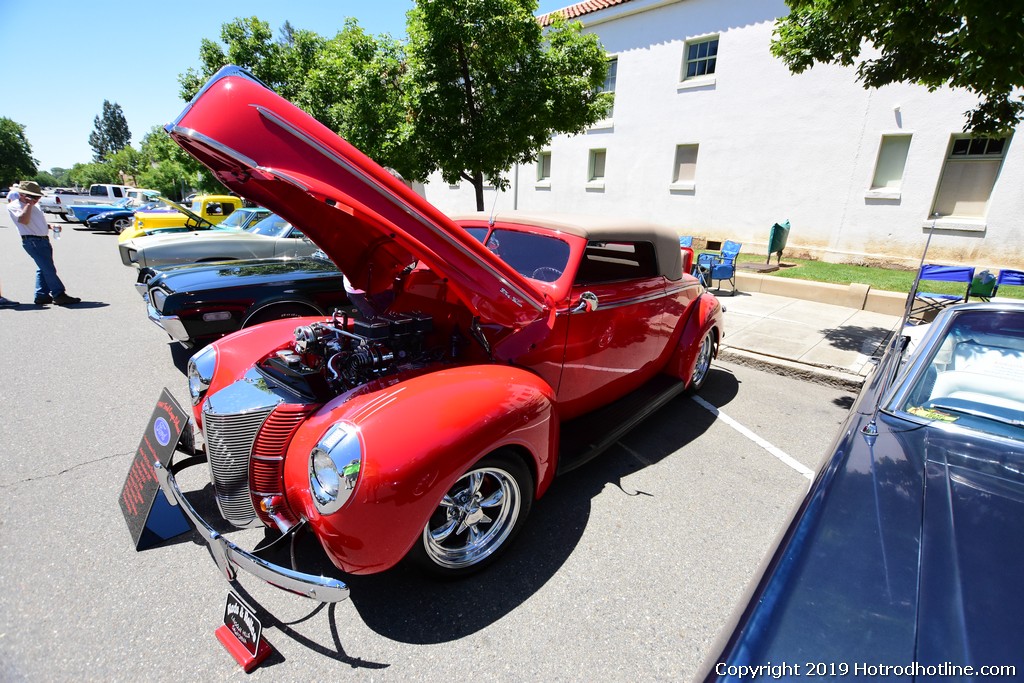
41, 251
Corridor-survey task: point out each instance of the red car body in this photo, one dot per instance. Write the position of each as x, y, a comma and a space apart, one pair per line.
426, 430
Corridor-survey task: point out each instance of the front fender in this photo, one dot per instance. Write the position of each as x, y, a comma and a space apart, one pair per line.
239, 351
705, 315
418, 436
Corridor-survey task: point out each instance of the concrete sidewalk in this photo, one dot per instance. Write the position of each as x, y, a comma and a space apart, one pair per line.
822, 342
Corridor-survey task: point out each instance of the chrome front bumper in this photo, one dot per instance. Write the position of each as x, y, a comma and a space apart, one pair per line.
171, 324
230, 558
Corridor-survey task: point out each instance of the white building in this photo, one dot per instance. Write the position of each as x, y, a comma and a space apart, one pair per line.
712, 135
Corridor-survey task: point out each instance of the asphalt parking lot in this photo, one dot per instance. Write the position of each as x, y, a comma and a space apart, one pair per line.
627, 570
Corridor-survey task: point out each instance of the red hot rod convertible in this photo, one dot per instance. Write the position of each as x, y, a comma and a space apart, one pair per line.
493, 353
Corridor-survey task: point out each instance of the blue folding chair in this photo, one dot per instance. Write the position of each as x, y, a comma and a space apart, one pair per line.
925, 303
721, 266
1013, 278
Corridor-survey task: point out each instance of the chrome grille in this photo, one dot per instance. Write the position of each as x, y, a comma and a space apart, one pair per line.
229, 443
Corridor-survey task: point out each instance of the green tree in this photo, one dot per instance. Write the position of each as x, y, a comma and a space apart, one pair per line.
489, 88
61, 176
166, 167
16, 162
46, 179
110, 132
351, 83
354, 86
972, 44
84, 175
249, 43
128, 162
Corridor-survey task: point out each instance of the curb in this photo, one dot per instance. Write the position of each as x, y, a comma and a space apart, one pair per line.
840, 379
856, 296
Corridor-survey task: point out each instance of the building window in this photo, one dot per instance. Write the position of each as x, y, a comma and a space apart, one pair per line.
544, 167
684, 170
968, 176
609, 85
892, 159
700, 56
595, 173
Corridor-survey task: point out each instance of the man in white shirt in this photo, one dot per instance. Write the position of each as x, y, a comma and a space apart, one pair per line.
35, 239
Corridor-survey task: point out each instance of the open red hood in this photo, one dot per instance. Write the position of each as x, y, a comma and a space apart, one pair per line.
370, 223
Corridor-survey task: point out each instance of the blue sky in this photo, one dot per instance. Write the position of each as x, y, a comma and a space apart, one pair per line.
63, 58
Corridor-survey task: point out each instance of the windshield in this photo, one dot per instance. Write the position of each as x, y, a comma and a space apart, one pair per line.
534, 256
236, 221
271, 226
974, 376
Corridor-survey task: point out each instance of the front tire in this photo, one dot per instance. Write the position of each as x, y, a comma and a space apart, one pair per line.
477, 518
122, 224
702, 366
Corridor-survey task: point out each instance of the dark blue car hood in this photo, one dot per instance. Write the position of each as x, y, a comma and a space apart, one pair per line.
908, 549
195, 277
971, 606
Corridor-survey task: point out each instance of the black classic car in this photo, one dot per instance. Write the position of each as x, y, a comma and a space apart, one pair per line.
198, 302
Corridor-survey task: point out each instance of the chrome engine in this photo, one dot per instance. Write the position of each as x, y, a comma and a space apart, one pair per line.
328, 358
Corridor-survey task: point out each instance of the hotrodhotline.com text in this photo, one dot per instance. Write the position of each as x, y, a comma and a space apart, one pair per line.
830, 669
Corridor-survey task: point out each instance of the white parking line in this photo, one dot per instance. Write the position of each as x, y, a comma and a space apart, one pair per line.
777, 452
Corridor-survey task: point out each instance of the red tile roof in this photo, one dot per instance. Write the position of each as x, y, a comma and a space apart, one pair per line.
579, 9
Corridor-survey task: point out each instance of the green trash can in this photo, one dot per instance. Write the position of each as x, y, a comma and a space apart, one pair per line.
777, 238
982, 286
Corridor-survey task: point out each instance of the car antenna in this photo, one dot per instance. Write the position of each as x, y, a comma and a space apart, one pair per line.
494, 204
870, 430
917, 277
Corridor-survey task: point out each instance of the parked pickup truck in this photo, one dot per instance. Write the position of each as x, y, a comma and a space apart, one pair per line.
100, 193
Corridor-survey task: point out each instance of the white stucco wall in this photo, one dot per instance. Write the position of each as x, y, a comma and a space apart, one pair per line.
772, 146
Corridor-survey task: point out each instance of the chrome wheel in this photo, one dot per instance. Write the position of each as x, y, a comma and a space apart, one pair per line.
477, 517
703, 363
122, 224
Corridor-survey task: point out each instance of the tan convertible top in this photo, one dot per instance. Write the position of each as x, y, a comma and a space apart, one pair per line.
600, 229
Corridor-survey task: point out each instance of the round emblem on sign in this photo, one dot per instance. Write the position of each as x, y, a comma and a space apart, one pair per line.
162, 430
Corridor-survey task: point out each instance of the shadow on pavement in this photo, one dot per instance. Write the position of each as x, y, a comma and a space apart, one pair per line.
405, 605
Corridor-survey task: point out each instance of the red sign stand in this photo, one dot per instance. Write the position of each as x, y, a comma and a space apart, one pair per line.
247, 660
242, 634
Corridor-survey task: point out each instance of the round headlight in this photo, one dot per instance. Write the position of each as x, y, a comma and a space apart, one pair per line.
326, 474
200, 373
334, 465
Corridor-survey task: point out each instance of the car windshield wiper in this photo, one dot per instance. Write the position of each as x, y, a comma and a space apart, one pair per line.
975, 412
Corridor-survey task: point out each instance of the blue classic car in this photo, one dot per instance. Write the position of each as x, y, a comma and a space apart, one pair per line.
903, 560
119, 220
136, 198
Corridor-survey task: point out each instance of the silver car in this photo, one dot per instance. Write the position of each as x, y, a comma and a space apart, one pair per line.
272, 236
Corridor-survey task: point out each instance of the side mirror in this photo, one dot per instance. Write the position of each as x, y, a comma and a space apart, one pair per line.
587, 303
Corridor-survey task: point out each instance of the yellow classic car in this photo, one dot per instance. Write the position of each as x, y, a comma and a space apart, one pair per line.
205, 212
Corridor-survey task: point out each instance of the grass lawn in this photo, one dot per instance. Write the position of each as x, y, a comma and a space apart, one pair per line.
878, 278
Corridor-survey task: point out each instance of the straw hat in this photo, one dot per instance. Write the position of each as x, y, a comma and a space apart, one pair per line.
30, 188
